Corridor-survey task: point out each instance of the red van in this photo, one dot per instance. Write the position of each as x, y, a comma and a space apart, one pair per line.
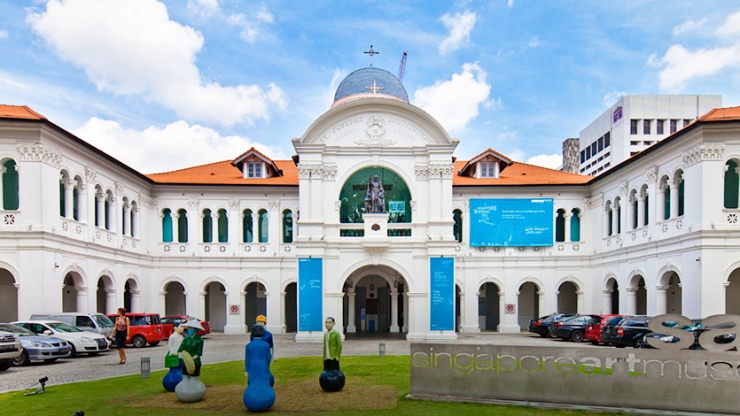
144, 328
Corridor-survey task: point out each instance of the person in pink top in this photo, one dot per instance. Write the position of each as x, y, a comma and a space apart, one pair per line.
121, 326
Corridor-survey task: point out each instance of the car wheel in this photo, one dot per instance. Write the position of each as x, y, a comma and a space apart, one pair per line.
138, 341
72, 350
4, 365
50, 360
154, 344
636, 343
22, 359
576, 336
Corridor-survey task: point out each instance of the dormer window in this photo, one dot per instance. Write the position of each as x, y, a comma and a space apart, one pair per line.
488, 164
488, 169
254, 169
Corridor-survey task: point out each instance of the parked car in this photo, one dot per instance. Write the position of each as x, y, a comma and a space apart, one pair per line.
625, 331
169, 322
10, 349
539, 325
696, 328
144, 328
37, 347
80, 341
552, 322
93, 322
573, 328
593, 327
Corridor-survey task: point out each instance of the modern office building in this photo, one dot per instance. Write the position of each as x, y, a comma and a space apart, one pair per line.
633, 124
445, 245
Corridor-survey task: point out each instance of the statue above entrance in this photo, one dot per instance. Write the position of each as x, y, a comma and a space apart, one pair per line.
375, 199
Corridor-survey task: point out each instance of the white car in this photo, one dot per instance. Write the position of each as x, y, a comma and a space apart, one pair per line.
80, 341
10, 349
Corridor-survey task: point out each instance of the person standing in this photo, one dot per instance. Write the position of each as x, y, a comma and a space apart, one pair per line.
122, 326
267, 335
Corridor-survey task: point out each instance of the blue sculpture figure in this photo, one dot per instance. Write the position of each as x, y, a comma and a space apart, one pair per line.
259, 395
172, 360
267, 337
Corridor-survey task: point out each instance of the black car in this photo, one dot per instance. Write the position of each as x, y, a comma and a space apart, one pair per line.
540, 326
626, 331
573, 328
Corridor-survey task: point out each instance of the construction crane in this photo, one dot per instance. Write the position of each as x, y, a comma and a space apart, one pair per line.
402, 67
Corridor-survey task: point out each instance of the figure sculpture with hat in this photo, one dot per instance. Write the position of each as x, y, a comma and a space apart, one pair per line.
267, 337
191, 389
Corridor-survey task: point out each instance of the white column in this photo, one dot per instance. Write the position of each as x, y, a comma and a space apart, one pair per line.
110, 301
542, 311
605, 232
2, 173
640, 211
606, 301
81, 202
660, 204
579, 307
68, 202
566, 224
135, 222
202, 304
661, 299
351, 295
163, 301
502, 312
243, 311
100, 204
615, 218
470, 322
136, 300
631, 300
282, 313
674, 198
126, 219
81, 299
405, 312
113, 211
394, 311
462, 312
175, 227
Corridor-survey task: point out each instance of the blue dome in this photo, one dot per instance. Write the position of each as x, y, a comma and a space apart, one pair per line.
362, 81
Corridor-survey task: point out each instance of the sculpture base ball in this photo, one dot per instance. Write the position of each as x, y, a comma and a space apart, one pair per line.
190, 390
172, 379
331, 381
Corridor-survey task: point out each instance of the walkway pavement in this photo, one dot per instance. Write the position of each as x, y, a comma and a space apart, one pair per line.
221, 348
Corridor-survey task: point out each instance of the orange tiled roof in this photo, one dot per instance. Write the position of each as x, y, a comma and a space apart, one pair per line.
520, 174
224, 173
19, 111
722, 114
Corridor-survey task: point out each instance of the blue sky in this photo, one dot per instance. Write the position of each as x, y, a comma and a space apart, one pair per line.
162, 85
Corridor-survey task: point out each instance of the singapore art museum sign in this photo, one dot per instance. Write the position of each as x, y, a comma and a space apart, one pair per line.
665, 378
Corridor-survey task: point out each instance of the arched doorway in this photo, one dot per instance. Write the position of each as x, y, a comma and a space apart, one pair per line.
374, 301
215, 299
489, 316
528, 304
732, 293
673, 293
72, 293
637, 296
568, 298
255, 303
8, 297
105, 295
174, 299
131, 296
291, 308
611, 297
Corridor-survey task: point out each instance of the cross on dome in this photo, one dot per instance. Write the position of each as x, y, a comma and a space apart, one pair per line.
371, 52
375, 87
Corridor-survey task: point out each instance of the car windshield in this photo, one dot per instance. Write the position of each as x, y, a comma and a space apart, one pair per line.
15, 329
61, 326
103, 321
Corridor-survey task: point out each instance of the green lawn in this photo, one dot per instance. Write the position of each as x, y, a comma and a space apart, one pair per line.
375, 386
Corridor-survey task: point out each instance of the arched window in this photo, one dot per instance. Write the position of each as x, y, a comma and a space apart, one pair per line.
262, 224
732, 184
134, 214
108, 210
76, 200
207, 226
62, 197
223, 226
680, 197
354, 191
575, 225
667, 203
635, 210
287, 226
618, 213
10, 186
182, 226
609, 217
560, 226
166, 225
247, 226
646, 206
457, 228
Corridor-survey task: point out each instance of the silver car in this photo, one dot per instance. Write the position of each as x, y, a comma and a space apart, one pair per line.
37, 347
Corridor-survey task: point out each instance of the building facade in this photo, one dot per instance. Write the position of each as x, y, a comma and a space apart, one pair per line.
225, 241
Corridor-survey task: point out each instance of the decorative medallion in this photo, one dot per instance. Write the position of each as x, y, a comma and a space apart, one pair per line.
732, 218
166, 248
182, 249
9, 219
375, 227
375, 133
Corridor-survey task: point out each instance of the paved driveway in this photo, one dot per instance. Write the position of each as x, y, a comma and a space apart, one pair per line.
220, 348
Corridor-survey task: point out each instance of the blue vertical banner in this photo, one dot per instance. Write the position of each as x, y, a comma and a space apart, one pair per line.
310, 294
442, 293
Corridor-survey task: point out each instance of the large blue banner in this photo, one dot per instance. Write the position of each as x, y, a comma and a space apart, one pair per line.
442, 293
310, 294
511, 222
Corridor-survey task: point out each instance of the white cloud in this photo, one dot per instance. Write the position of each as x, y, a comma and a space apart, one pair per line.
3, 34
688, 26
455, 102
510, 3
203, 8
534, 42
252, 26
548, 161
681, 65
460, 26
612, 97
176, 146
133, 48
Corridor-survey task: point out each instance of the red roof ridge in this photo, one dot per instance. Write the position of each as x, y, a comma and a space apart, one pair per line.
188, 168
19, 111
721, 114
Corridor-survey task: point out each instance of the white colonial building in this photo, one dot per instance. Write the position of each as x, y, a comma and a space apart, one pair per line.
81, 231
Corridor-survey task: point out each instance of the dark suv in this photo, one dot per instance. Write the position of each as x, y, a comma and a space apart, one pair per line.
541, 326
626, 331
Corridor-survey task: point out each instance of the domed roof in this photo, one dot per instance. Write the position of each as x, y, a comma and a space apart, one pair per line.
372, 81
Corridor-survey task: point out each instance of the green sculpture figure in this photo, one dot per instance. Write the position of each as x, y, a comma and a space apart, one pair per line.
191, 389
332, 379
